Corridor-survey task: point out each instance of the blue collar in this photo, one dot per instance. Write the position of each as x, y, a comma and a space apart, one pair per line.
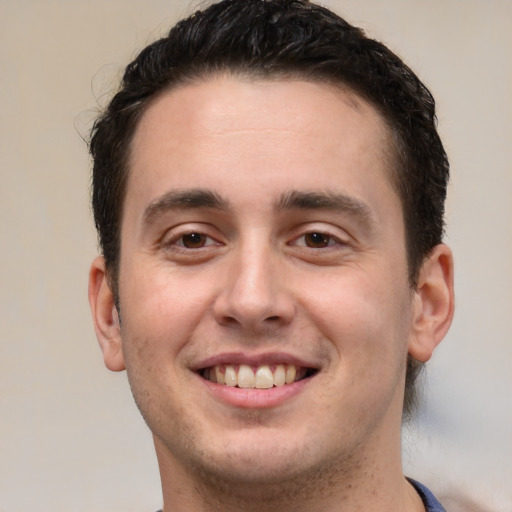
429, 500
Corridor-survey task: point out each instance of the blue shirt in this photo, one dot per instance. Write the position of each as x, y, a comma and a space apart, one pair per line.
429, 500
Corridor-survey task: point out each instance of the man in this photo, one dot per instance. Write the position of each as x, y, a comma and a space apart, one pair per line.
269, 190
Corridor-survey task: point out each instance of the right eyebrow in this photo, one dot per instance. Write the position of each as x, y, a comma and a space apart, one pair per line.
184, 199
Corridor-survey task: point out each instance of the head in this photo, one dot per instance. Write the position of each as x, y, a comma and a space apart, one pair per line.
273, 40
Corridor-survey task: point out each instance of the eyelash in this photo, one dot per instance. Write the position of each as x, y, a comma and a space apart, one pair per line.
203, 242
325, 239
180, 241
194, 244
317, 237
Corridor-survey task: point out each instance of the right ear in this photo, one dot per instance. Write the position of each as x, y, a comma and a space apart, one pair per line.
105, 316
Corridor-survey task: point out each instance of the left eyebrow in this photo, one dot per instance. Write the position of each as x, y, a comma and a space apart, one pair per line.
318, 200
183, 199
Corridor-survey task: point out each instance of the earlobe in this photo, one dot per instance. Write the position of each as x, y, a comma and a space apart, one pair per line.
433, 303
105, 318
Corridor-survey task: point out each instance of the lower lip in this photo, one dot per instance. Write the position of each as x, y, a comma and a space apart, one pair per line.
249, 398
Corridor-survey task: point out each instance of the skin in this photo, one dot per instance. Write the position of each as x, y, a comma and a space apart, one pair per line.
236, 162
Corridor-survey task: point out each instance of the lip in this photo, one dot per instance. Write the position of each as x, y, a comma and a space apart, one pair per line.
254, 398
249, 398
238, 358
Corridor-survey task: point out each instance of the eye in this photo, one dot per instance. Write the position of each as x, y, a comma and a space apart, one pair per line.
191, 243
321, 244
194, 240
317, 240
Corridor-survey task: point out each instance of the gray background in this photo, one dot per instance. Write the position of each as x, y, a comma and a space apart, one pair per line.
70, 437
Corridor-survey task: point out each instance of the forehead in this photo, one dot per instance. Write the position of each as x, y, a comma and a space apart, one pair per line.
257, 127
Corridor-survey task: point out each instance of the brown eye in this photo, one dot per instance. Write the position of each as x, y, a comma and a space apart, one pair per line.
194, 240
317, 240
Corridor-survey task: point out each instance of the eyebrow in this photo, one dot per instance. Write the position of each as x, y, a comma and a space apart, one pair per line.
184, 199
292, 200
336, 202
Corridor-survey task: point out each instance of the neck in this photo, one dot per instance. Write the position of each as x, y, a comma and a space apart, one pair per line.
353, 486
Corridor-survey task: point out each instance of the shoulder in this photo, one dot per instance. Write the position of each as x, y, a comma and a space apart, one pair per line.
429, 500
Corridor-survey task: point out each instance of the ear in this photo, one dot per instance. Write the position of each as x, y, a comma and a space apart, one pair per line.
105, 316
433, 304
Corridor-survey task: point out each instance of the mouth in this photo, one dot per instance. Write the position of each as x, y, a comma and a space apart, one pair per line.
263, 376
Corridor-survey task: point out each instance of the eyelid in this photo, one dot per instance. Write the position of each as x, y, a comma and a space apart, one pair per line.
179, 239
337, 235
332, 240
174, 235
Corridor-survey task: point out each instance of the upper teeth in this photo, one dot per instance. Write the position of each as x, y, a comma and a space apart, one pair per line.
260, 377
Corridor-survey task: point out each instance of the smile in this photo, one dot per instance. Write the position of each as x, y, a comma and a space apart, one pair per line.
256, 377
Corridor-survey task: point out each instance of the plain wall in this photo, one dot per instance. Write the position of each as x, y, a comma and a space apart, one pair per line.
70, 436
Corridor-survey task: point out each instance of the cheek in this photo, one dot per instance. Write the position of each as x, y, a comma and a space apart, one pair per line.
159, 312
368, 333
367, 325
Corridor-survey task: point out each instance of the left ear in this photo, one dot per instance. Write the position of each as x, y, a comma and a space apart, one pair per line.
433, 303
105, 316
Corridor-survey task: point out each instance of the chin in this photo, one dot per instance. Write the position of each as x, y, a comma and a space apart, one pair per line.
268, 457
261, 468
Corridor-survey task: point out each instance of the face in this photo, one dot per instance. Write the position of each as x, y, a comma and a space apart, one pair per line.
266, 311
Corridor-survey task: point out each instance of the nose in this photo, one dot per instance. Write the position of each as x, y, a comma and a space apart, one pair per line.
255, 296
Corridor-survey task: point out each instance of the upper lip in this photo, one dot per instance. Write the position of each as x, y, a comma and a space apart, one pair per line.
269, 358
